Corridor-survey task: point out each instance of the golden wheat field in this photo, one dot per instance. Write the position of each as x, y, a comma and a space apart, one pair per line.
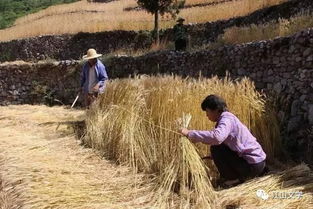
135, 123
284, 27
147, 163
83, 16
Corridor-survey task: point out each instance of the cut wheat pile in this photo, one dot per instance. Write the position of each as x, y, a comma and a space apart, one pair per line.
43, 166
135, 122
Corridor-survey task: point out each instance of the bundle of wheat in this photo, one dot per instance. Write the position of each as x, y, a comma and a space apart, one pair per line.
135, 122
291, 188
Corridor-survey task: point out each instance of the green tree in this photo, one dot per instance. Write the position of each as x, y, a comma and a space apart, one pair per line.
160, 7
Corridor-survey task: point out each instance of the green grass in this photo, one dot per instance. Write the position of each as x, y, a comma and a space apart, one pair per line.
10, 10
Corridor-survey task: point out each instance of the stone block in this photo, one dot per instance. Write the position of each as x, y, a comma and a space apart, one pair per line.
310, 114
294, 123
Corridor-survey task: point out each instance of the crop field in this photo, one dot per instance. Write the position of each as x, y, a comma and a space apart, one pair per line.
83, 16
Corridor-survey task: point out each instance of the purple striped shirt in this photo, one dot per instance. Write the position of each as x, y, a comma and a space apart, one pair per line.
230, 131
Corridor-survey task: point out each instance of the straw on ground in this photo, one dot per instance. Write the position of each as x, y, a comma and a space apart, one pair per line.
47, 168
42, 167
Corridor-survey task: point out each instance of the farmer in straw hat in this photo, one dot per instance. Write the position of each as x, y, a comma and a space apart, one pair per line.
93, 77
180, 35
235, 151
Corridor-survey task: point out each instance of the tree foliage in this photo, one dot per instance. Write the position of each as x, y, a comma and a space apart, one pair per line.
161, 7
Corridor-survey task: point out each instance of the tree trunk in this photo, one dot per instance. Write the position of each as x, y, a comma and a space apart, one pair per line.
156, 27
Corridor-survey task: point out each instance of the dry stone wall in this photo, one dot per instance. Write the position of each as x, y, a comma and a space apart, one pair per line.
67, 47
39, 83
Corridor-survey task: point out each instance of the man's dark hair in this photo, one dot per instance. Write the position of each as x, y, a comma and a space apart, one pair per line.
214, 102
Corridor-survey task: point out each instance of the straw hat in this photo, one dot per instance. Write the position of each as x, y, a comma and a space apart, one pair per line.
180, 19
91, 54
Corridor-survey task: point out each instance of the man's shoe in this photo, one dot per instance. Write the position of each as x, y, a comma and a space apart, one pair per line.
225, 184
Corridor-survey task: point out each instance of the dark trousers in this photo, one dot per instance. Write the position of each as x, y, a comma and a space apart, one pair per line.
90, 98
180, 45
231, 166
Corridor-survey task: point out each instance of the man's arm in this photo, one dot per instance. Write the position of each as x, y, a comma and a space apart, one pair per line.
214, 137
102, 77
82, 77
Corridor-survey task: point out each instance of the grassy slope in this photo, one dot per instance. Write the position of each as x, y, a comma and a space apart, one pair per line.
10, 10
72, 18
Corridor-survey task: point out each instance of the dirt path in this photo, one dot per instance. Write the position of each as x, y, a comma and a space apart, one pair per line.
43, 165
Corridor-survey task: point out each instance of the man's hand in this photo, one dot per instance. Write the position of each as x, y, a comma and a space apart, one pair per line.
184, 131
96, 88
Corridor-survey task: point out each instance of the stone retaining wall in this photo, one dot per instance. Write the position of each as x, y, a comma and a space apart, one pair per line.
39, 83
67, 47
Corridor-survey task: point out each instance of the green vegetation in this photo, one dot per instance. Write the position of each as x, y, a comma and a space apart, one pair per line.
160, 7
10, 10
